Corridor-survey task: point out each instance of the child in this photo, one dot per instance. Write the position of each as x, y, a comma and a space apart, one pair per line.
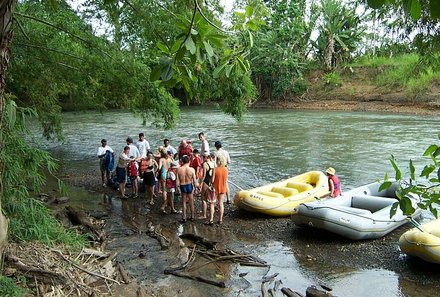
196, 163
170, 186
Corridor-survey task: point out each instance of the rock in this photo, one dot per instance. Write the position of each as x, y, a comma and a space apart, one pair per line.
62, 200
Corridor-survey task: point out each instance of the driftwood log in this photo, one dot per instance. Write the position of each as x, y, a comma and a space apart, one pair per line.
210, 245
31, 272
315, 292
194, 277
289, 293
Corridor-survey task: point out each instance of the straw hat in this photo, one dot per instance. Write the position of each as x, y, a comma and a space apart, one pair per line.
331, 171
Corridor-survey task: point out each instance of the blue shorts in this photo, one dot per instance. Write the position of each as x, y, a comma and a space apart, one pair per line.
186, 189
121, 174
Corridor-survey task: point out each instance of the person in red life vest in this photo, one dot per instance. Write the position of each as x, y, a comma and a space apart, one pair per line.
196, 163
334, 184
170, 186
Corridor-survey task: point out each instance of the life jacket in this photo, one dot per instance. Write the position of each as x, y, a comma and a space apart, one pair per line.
132, 169
143, 166
196, 163
170, 182
337, 185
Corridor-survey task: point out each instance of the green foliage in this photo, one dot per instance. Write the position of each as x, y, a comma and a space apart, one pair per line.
410, 72
425, 185
57, 66
332, 80
380, 61
8, 288
21, 168
340, 33
417, 86
279, 55
413, 8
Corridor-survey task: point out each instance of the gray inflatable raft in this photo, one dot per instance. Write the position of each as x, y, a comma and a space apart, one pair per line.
361, 213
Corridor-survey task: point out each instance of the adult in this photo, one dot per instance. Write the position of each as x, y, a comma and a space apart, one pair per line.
186, 181
136, 156
168, 147
219, 181
143, 145
102, 152
148, 170
219, 151
185, 149
163, 165
208, 169
121, 170
204, 147
334, 184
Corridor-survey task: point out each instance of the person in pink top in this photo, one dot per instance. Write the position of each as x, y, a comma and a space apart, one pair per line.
334, 184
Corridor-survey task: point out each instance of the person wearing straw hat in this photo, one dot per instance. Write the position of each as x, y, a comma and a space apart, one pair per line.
334, 184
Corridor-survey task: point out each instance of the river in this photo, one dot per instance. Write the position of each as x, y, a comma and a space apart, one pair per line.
268, 145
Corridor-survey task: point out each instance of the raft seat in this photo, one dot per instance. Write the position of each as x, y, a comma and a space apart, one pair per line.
270, 194
285, 191
301, 187
372, 203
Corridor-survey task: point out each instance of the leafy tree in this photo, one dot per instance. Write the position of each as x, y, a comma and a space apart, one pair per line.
280, 51
340, 32
425, 185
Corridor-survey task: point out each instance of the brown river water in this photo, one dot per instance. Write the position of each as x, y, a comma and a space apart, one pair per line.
267, 146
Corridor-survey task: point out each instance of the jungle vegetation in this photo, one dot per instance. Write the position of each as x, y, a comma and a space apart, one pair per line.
152, 56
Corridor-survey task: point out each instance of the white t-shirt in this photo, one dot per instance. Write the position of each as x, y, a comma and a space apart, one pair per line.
143, 146
102, 150
134, 152
205, 147
171, 149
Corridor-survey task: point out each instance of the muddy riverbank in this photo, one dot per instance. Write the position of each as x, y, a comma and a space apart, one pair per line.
320, 252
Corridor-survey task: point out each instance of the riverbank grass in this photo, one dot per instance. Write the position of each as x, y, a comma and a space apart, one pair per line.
403, 71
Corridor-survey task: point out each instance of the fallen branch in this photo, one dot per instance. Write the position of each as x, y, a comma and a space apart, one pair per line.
197, 278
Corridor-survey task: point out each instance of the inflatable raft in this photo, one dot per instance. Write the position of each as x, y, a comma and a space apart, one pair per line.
361, 213
280, 198
423, 242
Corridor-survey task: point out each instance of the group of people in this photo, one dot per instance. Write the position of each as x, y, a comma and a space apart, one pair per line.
186, 171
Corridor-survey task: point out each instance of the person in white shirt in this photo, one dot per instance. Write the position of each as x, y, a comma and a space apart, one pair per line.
204, 148
102, 150
143, 145
168, 147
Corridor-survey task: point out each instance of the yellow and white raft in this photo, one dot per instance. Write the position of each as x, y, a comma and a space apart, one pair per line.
281, 198
423, 242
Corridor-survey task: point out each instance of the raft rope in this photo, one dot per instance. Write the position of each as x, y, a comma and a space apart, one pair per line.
235, 185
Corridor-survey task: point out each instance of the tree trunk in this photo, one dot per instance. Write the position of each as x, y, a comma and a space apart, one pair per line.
329, 51
6, 32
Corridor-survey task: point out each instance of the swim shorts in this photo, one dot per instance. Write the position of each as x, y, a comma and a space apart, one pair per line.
121, 174
186, 189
